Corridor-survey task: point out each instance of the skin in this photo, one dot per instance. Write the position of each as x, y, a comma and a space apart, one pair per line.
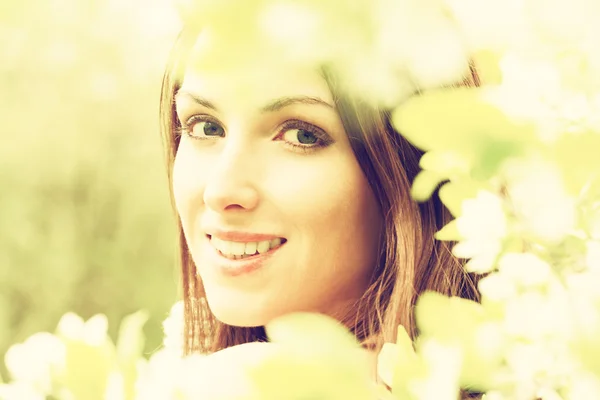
250, 177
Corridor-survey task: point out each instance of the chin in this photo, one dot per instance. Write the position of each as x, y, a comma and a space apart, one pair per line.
239, 308
241, 316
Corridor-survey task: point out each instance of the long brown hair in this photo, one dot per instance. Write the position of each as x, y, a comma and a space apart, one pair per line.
411, 261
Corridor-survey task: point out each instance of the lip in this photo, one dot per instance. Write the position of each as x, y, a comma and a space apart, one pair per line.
234, 236
234, 268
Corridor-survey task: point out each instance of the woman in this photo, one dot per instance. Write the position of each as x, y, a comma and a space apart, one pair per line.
295, 199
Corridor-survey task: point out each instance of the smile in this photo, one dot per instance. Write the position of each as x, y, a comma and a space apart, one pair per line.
235, 259
243, 250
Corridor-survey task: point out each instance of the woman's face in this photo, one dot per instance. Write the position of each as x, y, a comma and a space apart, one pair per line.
277, 213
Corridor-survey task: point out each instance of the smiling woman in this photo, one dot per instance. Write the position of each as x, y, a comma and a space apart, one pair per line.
261, 187
293, 194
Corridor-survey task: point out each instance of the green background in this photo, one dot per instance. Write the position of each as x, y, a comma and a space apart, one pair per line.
85, 218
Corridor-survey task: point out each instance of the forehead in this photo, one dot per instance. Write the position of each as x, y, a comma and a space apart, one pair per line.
251, 79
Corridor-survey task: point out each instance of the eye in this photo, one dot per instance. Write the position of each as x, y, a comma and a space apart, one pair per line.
203, 127
303, 136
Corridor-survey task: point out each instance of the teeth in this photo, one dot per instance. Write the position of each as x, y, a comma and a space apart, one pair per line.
237, 250
251, 248
263, 246
223, 246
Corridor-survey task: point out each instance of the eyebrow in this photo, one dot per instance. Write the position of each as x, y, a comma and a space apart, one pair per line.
273, 106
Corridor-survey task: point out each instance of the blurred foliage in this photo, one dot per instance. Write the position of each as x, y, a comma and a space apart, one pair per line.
87, 214
85, 217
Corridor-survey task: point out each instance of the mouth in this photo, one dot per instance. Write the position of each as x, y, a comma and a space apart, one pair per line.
245, 250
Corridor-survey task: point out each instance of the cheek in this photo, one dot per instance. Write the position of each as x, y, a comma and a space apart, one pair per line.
334, 213
333, 194
308, 194
188, 184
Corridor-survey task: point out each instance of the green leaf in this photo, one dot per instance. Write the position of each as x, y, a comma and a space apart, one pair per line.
424, 185
409, 368
310, 330
429, 121
578, 158
319, 358
392, 354
450, 119
404, 342
446, 162
131, 340
386, 362
449, 318
457, 321
449, 232
87, 368
454, 193
587, 348
462, 133
297, 374
130, 345
492, 152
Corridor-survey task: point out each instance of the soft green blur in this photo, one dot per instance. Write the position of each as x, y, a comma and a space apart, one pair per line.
85, 217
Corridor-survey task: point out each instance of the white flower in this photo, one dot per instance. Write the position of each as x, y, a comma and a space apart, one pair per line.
444, 366
115, 386
221, 375
93, 332
583, 386
293, 25
173, 329
489, 340
158, 378
483, 226
20, 391
541, 202
411, 34
535, 315
538, 84
224, 374
497, 287
538, 368
592, 257
584, 300
549, 88
490, 24
565, 23
525, 269
34, 361
386, 361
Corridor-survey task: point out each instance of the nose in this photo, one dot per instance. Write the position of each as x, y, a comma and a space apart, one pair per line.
231, 185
